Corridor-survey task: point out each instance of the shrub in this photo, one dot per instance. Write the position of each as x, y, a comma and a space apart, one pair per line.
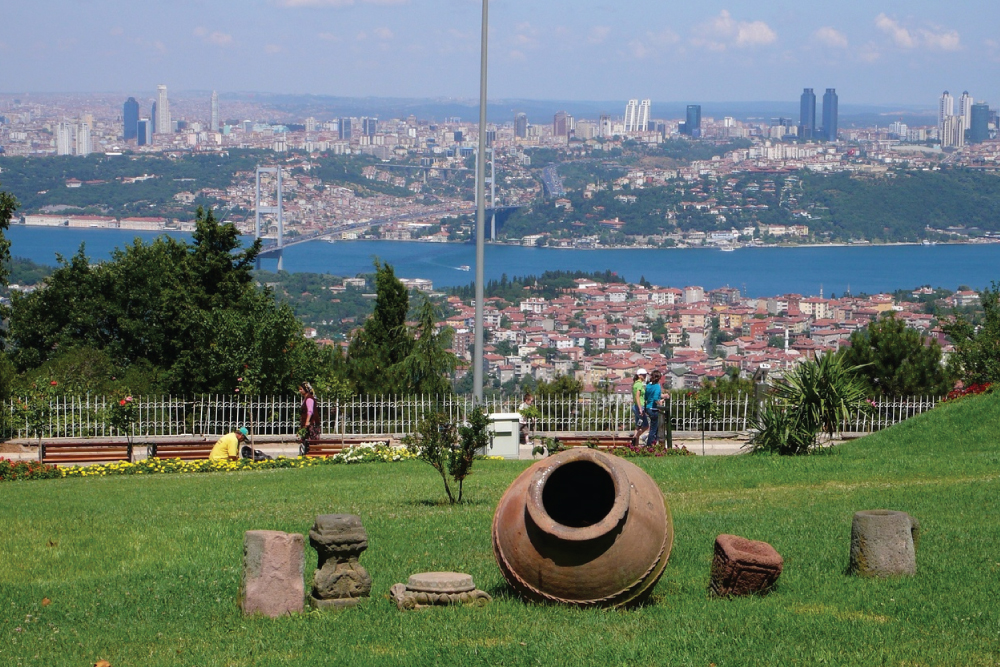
448, 450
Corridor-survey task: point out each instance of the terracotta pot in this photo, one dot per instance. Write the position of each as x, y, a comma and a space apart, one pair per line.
583, 528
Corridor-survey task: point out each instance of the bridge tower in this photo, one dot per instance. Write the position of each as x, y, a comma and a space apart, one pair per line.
491, 184
277, 209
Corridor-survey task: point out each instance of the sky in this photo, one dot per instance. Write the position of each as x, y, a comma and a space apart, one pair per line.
881, 52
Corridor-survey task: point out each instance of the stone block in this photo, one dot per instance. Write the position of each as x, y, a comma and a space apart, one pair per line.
884, 543
273, 566
744, 567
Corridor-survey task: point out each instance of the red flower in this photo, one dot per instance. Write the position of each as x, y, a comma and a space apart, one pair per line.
121, 402
53, 383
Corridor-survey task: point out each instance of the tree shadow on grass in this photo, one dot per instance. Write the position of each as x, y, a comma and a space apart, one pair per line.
443, 502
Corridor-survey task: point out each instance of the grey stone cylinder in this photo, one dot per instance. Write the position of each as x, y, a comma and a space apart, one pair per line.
883, 543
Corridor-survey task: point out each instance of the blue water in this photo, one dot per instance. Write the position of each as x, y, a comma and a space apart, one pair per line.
760, 271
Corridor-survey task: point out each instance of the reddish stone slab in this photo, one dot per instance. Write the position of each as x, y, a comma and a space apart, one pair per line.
273, 565
744, 567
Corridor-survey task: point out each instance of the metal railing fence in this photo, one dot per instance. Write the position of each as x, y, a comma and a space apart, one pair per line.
274, 416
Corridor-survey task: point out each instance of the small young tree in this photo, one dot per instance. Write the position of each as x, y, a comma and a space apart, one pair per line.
448, 450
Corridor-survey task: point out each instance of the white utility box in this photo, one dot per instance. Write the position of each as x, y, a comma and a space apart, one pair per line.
505, 430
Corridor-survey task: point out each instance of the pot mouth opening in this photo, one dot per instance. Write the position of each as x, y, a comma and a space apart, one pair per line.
579, 494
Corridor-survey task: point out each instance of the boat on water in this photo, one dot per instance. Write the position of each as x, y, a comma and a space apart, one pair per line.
728, 248
464, 267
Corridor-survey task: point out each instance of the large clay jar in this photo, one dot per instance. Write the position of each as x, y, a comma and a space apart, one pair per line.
583, 528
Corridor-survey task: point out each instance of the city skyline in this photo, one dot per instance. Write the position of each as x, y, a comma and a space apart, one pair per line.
407, 48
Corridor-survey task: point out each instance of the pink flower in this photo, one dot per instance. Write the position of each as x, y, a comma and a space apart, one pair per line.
239, 379
237, 390
128, 399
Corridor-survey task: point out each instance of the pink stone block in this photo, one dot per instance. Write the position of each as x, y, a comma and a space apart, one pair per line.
744, 567
273, 564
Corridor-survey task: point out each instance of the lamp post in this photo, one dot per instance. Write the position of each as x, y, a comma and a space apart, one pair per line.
477, 357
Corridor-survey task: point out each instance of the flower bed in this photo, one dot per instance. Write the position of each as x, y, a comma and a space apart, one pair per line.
640, 451
368, 452
971, 390
12, 471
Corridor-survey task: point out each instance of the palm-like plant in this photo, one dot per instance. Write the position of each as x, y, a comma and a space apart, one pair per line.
816, 397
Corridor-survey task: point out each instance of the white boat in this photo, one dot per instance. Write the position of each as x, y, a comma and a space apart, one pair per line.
464, 267
728, 248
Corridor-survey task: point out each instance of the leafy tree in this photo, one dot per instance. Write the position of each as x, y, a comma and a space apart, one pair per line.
384, 341
564, 385
171, 316
449, 451
429, 365
895, 360
8, 204
977, 348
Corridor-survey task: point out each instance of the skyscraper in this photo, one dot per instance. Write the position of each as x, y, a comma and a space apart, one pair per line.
946, 107
369, 126
965, 103
163, 125
637, 115
215, 112
152, 118
692, 121
84, 146
807, 114
144, 132
130, 118
979, 130
830, 114
344, 129
64, 138
560, 124
521, 126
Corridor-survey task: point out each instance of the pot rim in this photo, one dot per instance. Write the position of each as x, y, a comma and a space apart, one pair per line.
536, 508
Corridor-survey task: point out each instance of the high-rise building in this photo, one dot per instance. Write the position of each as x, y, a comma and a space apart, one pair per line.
84, 146
946, 107
953, 132
215, 112
830, 115
979, 127
152, 116
344, 129
560, 124
310, 124
807, 114
144, 132
130, 119
64, 139
637, 115
965, 103
369, 126
604, 127
163, 124
692, 121
521, 126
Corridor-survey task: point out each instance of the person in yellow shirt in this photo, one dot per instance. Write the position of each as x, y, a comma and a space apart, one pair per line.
228, 446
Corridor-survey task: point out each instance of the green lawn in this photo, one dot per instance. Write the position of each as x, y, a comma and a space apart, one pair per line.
145, 570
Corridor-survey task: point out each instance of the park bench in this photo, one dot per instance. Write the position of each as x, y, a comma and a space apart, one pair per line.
598, 440
188, 450
83, 452
332, 445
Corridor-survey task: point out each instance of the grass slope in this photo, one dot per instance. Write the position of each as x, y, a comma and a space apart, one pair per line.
145, 571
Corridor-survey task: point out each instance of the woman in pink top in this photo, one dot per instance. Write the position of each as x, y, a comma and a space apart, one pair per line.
308, 417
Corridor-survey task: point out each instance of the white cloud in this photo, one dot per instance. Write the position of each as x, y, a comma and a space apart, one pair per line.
383, 33
215, 37
831, 37
933, 37
328, 37
272, 49
117, 31
598, 34
652, 43
724, 32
